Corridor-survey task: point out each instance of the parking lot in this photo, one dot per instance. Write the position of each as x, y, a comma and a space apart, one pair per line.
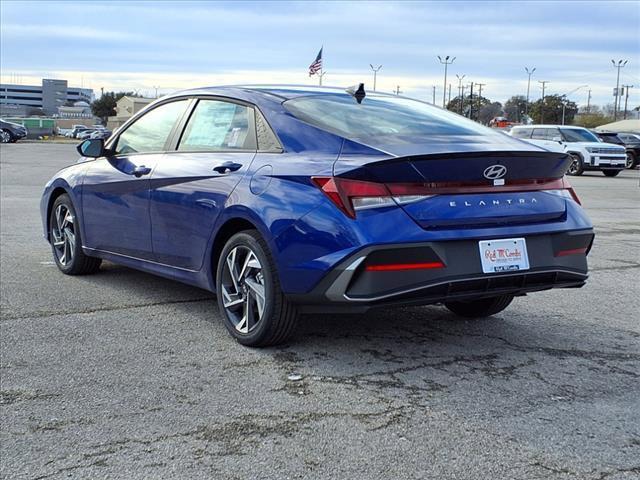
126, 375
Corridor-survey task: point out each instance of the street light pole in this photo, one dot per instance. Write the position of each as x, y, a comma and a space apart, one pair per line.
446, 62
529, 72
544, 82
618, 65
434, 95
375, 74
460, 90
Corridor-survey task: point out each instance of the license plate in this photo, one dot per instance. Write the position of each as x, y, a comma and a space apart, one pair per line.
505, 255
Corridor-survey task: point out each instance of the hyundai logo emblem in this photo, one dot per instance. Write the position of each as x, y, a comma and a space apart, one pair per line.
495, 172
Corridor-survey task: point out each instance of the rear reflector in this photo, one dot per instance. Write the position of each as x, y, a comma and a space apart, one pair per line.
573, 251
391, 267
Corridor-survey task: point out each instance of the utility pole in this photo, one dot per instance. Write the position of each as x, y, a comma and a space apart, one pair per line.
529, 72
397, 91
375, 74
626, 98
616, 92
471, 102
565, 98
156, 89
446, 62
589, 102
480, 95
101, 91
460, 90
434, 95
462, 100
544, 82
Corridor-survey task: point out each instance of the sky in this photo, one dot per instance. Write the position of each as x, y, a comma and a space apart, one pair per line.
170, 45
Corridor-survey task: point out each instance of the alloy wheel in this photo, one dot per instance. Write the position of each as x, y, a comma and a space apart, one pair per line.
573, 168
630, 159
243, 289
4, 136
64, 235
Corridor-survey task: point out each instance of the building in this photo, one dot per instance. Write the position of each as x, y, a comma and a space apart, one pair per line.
48, 97
126, 107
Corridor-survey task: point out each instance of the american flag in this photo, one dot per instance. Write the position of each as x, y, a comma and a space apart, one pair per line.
316, 66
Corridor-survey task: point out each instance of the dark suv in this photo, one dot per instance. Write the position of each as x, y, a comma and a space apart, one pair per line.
630, 141
11, 132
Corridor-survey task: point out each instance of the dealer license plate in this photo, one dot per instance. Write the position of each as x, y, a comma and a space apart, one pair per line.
505, 255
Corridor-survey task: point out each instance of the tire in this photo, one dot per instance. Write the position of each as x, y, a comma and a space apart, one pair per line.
484, 307
576, 168
247, 255
611, 173
5, 136
66, 243
632, 161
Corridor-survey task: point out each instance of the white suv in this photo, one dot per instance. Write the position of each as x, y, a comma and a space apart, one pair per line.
586, 150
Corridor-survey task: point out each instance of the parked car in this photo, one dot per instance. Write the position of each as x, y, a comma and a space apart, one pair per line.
77, 129
289, 200
630, 141
100, 133
11, 132
84, 134
586, 150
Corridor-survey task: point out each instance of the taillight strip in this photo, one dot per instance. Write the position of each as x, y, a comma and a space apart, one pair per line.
573, 251
390, 267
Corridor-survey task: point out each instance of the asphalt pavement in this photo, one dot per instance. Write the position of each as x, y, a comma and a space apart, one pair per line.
126, 375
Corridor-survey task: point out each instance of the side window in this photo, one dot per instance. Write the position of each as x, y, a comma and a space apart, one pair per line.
217, 125
539, 133
522, 133
553, 133
150, 132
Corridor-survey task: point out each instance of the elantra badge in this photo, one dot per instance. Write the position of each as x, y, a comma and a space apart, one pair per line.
495, 173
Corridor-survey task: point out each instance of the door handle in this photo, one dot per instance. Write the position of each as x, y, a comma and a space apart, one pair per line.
227, 167
141, 170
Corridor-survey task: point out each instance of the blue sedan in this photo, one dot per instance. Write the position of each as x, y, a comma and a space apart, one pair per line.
285, 200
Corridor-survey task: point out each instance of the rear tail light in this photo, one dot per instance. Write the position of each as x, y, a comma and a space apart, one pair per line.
351, 196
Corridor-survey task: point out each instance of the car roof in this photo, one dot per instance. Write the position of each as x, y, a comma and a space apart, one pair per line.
549, 126
279, 93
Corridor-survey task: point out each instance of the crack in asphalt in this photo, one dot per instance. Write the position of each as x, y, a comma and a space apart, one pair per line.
35, 315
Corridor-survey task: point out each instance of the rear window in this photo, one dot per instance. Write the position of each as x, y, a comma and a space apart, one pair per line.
398, 120
521, 132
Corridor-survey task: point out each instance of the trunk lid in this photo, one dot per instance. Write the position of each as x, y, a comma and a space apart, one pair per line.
469, 186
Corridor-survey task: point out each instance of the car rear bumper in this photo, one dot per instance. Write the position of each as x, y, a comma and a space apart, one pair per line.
556, 261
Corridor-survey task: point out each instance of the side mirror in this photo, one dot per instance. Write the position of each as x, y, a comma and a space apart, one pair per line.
92, 147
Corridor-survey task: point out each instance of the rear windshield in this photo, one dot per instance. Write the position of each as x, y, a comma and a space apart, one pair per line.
396, 119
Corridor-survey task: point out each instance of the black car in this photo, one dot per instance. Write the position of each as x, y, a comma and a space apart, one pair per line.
630, 141
11, 132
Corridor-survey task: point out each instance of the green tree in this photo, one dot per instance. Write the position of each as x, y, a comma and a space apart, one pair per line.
478, 103
488, 112
105, 106
515, 107
551, 110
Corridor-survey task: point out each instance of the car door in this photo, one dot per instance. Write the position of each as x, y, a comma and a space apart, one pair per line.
190, 185
115, 191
